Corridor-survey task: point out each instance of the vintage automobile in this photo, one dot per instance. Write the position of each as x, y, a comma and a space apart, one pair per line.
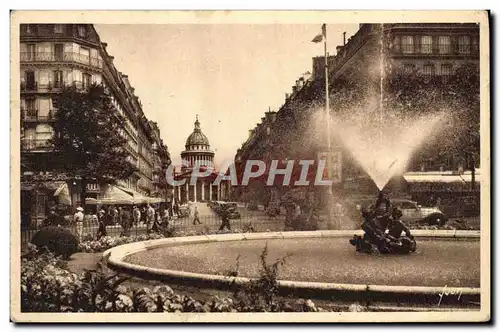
231, 209
413, 213
184, 211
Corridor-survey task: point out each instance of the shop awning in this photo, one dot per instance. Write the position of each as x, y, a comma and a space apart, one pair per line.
141, 199
63, 194
441, 177
111, 195
441, 181
42, 185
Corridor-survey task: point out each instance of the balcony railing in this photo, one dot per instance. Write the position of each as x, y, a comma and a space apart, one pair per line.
52, 86
61, 57
29, 115
29, 144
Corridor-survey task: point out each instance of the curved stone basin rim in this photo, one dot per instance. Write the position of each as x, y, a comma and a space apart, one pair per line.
114, 258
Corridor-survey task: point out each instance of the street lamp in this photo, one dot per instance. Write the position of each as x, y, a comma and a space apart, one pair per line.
333, 219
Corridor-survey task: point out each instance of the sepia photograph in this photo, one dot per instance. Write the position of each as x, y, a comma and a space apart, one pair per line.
238, 166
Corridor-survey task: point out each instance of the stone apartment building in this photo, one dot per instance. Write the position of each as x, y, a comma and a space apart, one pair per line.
56, 55
367, 61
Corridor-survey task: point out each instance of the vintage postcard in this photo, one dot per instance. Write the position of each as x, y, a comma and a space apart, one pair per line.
238, 166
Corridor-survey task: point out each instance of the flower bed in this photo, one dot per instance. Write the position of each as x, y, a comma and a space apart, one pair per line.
47, 286
108, 242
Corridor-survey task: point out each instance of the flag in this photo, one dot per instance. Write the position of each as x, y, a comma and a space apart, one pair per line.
321, 37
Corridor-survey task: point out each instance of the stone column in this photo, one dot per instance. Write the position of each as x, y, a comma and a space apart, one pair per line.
195, 185
187, 191
179, 194
210, 191
218, 192
202, 190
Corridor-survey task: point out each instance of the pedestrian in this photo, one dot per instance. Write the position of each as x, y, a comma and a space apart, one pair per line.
78, 220
196, 215
225, 220
177, 209
125, 221
144, 211
101, 219
137, 215
53, 219
114, 215
150, 218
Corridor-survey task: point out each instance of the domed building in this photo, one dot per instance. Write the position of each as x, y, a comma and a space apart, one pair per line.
197, 149
197, 152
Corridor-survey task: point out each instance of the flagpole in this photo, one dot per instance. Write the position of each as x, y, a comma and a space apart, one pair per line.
327, 97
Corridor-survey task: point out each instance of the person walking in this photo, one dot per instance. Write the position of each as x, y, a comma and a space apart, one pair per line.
225, 220
136, 215
78, 220
125, 221
101, 219
196, 216
150, 218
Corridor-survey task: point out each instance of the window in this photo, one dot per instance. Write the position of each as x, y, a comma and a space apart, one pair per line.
408, 206
58, 78
30, 111
408, 68
30, 80
475, 44
407, 44
446, 71
426, 44
86, 80
59, 52
31, 107
84, 55
29, 29
396, 45
464, 45
429, 70
444, 43
58, 28
31, 52
82, 31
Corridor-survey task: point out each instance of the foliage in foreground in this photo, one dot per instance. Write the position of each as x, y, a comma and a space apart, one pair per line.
58, 240
47, 286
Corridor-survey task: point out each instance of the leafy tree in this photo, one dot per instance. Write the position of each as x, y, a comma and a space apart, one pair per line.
89, 136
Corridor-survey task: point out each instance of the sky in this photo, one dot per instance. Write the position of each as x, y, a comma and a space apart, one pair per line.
228, 74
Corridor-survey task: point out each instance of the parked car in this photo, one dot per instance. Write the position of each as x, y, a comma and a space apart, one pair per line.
232, 209
412, 211
184, 211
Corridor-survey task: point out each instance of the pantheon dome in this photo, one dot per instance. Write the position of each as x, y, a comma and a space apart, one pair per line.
197, 148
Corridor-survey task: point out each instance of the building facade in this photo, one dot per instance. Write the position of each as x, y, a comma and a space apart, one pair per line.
397, 64
56, 55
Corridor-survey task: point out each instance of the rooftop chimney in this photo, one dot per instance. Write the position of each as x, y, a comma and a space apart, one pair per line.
287, 96
344, 37
339, 48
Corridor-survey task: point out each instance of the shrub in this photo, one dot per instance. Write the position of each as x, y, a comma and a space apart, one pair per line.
48, 286
261, 294
252, 206
57, 240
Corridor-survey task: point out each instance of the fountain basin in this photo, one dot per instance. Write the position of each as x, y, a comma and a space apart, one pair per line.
323, 264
